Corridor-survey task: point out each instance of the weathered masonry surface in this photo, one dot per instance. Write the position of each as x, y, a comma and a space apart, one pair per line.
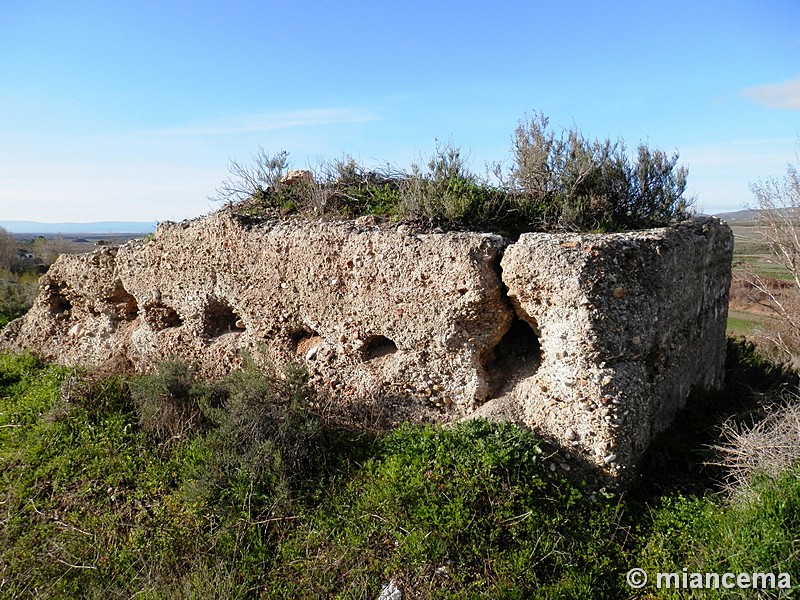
594, 340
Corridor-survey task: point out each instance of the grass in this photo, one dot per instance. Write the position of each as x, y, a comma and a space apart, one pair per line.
743, 323
252, 493
752, 535
451, 513
762, 265
85, 506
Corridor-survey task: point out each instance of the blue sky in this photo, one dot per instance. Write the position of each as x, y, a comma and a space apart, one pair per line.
132, 111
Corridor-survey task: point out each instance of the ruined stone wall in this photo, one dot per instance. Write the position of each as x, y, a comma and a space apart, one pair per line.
593, 340
628, 325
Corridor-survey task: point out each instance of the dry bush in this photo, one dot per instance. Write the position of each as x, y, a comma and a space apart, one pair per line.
769, 446
781, 335
258, 179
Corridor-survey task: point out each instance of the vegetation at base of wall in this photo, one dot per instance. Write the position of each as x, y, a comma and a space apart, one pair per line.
558, 182
244, 488
454, 512
752, 534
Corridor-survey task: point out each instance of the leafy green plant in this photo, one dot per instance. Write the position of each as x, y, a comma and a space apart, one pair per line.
347, 188
90, 505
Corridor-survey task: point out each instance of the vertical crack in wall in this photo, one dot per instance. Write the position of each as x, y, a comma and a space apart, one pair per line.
518, 354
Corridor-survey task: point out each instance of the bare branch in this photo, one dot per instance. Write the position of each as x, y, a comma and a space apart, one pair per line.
778, 223
247, 181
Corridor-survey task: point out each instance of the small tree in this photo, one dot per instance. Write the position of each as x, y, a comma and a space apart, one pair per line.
778, 218
8, 249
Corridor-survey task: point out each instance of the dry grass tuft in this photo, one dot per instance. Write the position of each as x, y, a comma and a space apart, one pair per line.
769, 446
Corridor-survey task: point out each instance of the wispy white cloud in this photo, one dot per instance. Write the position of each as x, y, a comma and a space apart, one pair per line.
271, 121
776, 95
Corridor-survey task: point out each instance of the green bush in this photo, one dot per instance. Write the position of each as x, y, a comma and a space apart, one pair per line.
172, 404
347, 188
557, 183
444, 193
92, 507
262, 441
569, 182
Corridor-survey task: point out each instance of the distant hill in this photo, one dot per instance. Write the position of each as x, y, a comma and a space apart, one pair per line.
83, 228
739, 215
742, 216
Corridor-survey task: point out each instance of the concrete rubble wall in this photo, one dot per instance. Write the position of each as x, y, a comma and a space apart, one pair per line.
594, 340
628, 324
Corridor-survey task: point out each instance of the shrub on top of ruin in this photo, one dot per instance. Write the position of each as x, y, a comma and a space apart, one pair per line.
567, 182
346, 187
261, 185
341, 187
443, 192
559, 182
248, 181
